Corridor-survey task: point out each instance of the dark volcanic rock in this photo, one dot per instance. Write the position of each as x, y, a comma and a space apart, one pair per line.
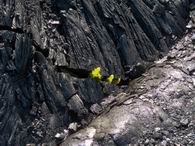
36, 102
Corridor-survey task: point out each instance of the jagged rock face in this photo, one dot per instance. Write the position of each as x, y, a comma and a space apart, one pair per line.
36, 101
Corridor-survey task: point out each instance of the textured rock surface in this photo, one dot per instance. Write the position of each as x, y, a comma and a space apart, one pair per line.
157, 109
35, 101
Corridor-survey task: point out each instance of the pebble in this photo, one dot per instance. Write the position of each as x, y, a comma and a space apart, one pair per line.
184, 122
60, 136
157, 129
163, 143
54, 22
189, 26
73, 127
147, 141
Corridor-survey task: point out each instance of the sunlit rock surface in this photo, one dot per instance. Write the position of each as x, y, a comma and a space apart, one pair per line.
157, 109
36, 102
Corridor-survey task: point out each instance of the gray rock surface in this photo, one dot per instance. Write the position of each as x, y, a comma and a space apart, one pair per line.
36, 102
157, 109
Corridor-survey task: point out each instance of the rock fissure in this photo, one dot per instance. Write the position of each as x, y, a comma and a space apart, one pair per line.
16, 30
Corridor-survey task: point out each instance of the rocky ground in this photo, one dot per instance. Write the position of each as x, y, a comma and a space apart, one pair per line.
158, 108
